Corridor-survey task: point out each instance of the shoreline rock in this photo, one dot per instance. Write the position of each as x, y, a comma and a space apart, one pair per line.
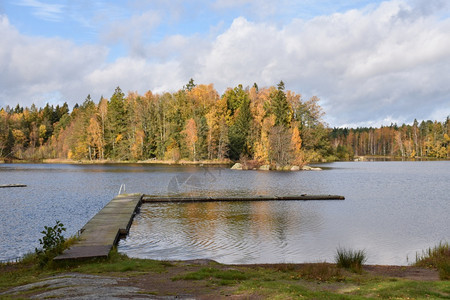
309, 168
264, 168
236, 166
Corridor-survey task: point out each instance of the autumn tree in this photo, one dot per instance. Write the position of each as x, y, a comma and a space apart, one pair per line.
78, 137
217, 120
280, 146
296, 147
95, 138
262, 122
191, 137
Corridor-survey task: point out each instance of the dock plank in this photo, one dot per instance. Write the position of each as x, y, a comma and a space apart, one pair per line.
103, 231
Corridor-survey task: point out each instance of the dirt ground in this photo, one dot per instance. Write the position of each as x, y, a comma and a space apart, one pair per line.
162, 286
405, 272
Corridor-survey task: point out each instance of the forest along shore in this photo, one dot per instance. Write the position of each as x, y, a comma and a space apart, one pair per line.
148, 161
224, 163
268, 125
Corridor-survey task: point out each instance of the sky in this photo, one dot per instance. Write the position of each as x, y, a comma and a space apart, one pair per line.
371, 63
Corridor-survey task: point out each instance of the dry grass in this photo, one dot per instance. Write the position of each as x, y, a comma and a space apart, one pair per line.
436, 257
321, 272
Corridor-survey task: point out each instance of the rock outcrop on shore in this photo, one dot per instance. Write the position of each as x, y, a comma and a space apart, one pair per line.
236, 166
308, 168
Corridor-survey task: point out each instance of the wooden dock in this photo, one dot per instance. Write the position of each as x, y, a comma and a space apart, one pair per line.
12, 185
304, 197
103, 231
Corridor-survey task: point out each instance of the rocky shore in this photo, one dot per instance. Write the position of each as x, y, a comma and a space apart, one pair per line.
243, 166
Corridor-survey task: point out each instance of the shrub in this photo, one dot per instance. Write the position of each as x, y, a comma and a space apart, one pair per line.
52, 243
437, 257
350, 259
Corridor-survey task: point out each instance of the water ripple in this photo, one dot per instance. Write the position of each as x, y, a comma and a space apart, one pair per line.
391, 209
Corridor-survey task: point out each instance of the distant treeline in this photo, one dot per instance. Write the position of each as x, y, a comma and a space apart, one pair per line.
427, 139
261, 126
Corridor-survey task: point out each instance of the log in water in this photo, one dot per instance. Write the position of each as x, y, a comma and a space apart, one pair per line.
304, 197
12, 185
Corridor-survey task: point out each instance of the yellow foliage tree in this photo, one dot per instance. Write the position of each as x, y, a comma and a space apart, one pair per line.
191, 137
137, 147
298, 157
94, 138
203, 96
262, 147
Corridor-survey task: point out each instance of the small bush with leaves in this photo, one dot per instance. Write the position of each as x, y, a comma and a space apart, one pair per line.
350, 259
52, 242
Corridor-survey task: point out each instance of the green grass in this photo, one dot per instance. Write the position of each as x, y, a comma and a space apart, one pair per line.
115, 263
436, 257
350, 259
404, 289
282, 281
29, 270
21, 273
290, 281
216, 276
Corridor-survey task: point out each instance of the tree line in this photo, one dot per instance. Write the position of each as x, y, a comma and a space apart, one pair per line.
260, 126
425, 139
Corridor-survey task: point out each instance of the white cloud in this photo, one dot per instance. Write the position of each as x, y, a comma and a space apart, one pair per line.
33, 68
134, 74
245, 53
389, 62
365, 64
45, 11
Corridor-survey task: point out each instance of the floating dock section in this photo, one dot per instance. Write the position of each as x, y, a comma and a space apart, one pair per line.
304, 197
103, 231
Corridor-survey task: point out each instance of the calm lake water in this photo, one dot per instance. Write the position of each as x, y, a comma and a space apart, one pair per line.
392, 210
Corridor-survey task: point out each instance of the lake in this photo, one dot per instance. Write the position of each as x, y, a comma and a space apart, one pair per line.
392, 210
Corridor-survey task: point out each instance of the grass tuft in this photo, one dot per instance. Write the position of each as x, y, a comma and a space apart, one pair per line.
436, 257
350, 259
